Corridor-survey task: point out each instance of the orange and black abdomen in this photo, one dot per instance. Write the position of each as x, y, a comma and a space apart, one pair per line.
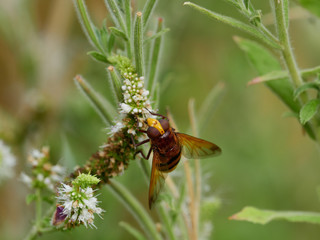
169, 149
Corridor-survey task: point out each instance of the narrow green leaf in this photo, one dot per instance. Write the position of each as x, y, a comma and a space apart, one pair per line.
246, 3
116, 83
274, 75
255, 215
111, 42
133, 231
147, 10
235, 3
310, 71
305, 87
88, 26
115, 13
209, 106
30, 198
311, 5
103, 107
132, 204
138, 44
118, 33
154, 60
265, 62
235, 23
309, 110
104, 35
98, 57
157, 35
128, 13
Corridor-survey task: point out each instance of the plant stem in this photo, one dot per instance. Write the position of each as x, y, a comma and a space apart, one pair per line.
38, 209
197, 167
286, 51
135, 207
288, 56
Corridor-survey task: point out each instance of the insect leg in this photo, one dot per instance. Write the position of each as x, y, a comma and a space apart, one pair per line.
156, 114
142, 154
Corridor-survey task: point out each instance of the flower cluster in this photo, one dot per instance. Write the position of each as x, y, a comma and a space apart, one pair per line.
135, 102
7, 162
44, 174
78, 204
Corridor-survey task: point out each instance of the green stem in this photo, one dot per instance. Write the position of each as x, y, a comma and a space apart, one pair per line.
286, 51
166, 221
135, 207
38, 209
288, 56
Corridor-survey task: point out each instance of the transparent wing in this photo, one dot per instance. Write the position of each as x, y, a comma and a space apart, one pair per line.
193, 147
157, 179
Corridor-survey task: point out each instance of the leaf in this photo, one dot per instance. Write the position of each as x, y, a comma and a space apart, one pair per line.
98, 56
87, 25
134, 232
147, 10
254, 215
30, 198
157, 35
246, 3
102, 106
235, 23
311, 5
274, 75
306, 86
309, 110
265, 62
118, 33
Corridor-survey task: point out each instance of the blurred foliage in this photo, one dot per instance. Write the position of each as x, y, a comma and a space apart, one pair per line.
267, 161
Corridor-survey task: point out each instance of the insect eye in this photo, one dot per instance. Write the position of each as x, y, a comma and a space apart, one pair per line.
165, 124
153, 132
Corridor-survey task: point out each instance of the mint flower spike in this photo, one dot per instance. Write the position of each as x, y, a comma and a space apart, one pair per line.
77, 203
85, 180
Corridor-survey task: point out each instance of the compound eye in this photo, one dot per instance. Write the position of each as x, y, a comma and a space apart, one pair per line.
165, 124
153, 132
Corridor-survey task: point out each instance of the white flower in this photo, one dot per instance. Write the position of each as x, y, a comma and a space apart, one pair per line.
79, 205
7, 162
37, 154
125, 108
116, 128
26, 179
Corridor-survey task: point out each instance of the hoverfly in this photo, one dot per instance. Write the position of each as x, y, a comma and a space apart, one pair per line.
168, 146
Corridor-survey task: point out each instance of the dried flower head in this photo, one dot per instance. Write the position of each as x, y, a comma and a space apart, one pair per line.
7, 162
44, 174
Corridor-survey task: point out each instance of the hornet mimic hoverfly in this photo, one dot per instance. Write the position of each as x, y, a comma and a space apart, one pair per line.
167, 146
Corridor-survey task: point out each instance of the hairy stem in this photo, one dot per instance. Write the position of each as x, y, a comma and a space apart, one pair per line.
288, 56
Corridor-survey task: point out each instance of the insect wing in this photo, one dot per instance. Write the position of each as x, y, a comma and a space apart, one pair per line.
193, 147
157, 179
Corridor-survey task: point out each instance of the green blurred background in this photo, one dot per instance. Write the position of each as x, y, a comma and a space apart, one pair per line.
267, 160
